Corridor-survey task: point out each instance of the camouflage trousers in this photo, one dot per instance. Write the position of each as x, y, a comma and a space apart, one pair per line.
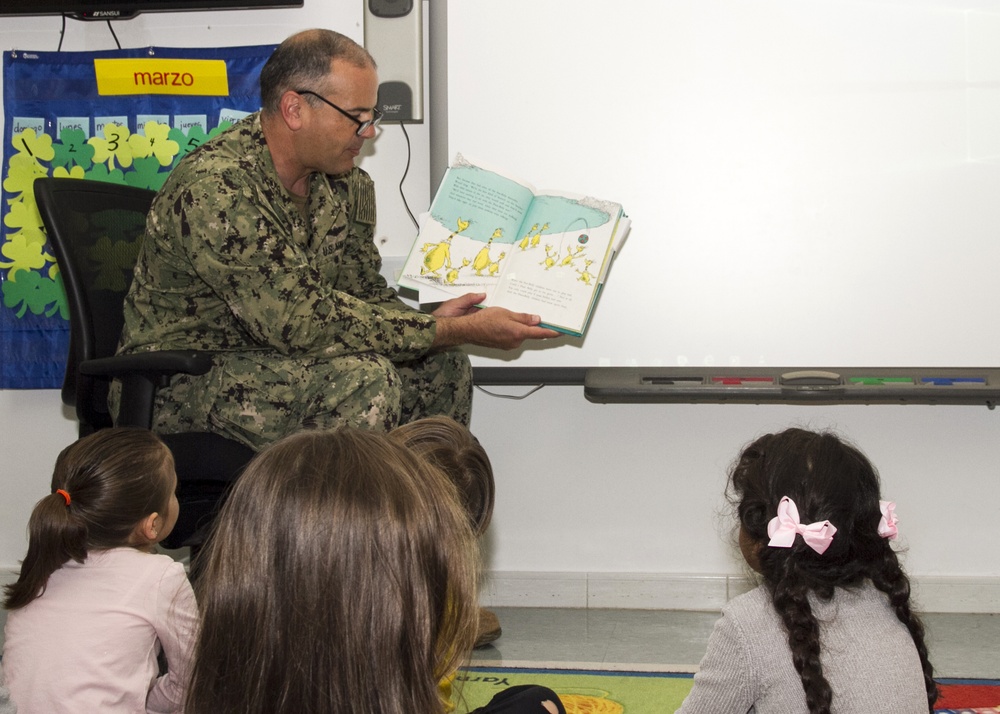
257, 397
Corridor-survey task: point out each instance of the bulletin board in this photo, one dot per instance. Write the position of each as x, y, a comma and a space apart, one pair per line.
122, 116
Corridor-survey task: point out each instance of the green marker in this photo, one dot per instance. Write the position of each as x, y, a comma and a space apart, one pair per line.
882, 380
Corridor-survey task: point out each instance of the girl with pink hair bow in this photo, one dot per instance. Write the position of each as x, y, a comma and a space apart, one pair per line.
830, 628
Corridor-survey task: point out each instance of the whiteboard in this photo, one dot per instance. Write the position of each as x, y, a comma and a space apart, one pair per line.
810, 182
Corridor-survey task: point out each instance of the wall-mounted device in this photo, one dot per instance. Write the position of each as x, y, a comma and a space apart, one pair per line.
394, 31
125, 9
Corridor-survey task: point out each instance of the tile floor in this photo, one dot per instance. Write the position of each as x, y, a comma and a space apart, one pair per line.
960, 645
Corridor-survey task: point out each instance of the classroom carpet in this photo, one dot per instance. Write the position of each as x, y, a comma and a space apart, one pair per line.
610, 691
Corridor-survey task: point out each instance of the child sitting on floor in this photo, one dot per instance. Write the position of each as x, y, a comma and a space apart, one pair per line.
341, 578
830, 629
93, 607
451, 447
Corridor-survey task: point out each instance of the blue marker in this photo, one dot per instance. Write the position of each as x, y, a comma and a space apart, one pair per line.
954, 381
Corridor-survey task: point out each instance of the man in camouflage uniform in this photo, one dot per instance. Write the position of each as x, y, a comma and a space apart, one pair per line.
260, 247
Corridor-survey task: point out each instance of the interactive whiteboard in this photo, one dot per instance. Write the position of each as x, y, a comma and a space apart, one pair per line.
810, 182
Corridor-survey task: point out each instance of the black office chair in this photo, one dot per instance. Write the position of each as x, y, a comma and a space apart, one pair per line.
95, 229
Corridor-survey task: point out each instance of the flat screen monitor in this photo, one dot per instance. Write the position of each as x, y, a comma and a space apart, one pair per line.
124, 9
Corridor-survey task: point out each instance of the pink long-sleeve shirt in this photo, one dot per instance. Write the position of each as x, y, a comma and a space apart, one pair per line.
90, 642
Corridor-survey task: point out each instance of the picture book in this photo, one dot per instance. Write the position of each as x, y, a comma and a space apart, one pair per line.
539, 251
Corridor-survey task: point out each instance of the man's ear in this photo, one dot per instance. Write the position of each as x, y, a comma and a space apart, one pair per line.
290, 106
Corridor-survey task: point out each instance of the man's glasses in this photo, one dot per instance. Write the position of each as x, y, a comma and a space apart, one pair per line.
362, 125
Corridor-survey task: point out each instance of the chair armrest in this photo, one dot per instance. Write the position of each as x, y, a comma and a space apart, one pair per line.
165, 363
141, 374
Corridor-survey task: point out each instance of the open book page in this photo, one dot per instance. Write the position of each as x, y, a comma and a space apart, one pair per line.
474, 220
556, 268
541, 252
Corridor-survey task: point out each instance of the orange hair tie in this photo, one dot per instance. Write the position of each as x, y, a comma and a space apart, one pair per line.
64, 494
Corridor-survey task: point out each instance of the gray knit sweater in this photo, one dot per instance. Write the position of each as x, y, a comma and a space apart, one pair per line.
868, 658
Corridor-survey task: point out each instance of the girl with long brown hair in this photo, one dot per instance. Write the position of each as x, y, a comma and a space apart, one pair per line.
341, 578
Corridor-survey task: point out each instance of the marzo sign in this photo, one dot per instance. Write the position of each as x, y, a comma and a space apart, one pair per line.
161, 76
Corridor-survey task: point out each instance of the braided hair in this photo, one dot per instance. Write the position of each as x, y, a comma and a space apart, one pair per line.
827, 479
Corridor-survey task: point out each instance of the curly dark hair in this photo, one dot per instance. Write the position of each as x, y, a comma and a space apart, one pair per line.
827, 479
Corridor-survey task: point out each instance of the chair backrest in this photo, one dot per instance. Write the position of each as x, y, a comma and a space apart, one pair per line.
95, 230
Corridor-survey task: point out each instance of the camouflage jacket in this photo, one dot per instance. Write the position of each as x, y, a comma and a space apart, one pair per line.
230, 263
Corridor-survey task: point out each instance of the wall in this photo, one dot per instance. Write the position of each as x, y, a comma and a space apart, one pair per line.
597, 505
622, 506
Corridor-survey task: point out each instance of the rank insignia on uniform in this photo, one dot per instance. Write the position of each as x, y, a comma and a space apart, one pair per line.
362, 190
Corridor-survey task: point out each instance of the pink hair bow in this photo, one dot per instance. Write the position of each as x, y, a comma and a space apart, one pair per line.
786, 524
887, 523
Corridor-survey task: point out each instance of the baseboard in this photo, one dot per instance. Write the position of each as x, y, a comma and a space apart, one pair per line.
954, 594
661, 591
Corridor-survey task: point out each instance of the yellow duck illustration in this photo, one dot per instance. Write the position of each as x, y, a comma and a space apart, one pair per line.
495, 267
452, 275
538, 236
523, 245
439, 254
482, 260
571, 255
550, 258
585, 275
